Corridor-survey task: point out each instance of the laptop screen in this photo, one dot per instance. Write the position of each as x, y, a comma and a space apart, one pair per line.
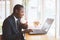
46, 26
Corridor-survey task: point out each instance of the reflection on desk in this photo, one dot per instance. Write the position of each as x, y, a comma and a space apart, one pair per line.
39, 37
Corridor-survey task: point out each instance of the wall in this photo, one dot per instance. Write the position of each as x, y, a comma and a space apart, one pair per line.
13, 3
57, 20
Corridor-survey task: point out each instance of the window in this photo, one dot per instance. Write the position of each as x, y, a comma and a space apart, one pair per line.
4, 11
40, 10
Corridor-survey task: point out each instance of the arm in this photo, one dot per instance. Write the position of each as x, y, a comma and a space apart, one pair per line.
24, 26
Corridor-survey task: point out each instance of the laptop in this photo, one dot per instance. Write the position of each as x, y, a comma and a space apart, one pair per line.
45, 28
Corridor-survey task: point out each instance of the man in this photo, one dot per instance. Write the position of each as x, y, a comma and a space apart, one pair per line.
12, 27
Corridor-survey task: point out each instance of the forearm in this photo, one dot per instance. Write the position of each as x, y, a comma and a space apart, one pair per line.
27, 30
24, 26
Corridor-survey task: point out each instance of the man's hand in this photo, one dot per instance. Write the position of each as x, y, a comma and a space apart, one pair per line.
27, 30
24, 26
30, 30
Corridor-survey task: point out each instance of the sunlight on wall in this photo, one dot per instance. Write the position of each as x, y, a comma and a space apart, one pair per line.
50, 12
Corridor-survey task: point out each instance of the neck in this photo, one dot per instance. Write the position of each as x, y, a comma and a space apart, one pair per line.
17, 16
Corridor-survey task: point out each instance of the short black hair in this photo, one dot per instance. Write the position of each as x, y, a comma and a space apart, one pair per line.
17, 7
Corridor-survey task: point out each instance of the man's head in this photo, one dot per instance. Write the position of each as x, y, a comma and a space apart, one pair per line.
18, 11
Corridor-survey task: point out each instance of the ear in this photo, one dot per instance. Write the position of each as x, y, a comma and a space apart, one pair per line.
16, 11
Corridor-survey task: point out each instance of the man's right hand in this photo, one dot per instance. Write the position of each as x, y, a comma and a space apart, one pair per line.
28, 30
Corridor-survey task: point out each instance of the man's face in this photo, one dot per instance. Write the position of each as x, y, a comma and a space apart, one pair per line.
20, 13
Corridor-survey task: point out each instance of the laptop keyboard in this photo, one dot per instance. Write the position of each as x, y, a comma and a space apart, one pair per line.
36, 31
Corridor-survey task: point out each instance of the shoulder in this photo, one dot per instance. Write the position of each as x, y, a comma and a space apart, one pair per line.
8, 18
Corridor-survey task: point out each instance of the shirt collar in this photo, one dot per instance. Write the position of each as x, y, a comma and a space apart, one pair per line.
15, 18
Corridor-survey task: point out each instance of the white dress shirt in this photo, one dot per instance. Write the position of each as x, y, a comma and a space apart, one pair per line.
15, 20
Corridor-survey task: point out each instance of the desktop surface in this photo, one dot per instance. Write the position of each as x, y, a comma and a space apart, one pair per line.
39, 37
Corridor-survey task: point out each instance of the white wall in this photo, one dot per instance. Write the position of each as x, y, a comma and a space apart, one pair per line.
14, 2
59, 18
57, 21
50, 12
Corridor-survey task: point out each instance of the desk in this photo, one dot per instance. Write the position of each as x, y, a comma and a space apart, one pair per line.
38, 37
